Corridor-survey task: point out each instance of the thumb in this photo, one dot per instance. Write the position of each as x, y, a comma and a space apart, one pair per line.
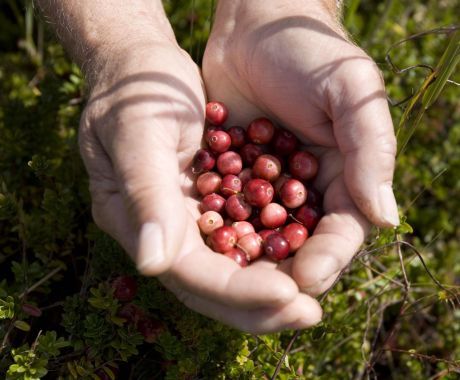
364, 132
150, 186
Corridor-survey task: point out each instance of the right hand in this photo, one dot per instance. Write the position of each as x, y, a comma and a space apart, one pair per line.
139, 132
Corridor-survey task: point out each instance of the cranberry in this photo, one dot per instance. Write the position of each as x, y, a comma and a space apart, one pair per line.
210, 129
238, 136
266, 233
251, 244
293, 193
308, 216
230, 185
303, 165
131, 312
210, 221
250, 152
267, 167
295, 234
124, 288
276, 247
273, 215
229, 163
237, 208
280, 182
208, 183
212, 202
223, 239
285, 142
31, 310
261, 131
150, 329
242, 228
204, 160
314, 197
245, 176
258, 192
216, 113
238, 256
218, 141
256, 222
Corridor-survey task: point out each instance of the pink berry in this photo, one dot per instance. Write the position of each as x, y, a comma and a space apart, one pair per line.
261, 131
303, 165
308, 216
264, 234
212, 202
293, 193
223, 239
218, 141
210, 129
280, 182
238, 256
243, 228
230, 185
150, 329
124, 288
267, 167
251, 244
203, 161
229, 163
250, 152
208, 183
273, 215
258, 192
295, 234
216, 113
238, 136
237, 208
285, 142
245, 176
210, 221
276, 247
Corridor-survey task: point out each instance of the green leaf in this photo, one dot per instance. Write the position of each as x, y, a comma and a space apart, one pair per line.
21, 325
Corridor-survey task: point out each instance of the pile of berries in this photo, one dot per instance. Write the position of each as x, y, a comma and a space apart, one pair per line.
256, 189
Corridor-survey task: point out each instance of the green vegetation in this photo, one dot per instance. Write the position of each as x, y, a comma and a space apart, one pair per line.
58, 316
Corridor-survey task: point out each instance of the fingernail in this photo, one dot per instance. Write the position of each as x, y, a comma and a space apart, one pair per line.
151, 250
388, 205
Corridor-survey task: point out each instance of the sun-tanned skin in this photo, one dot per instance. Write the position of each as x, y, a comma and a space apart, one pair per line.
288, 60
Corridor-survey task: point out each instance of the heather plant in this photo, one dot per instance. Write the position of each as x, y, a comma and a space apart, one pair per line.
393, 314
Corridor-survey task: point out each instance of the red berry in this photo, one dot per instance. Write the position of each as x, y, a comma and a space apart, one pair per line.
256, 222
208, 183
308, 216
280, 182
245, 176
203, 161
210, 221
229, 163
261, 131
216, 113
230, 185
273, 215
31, 310
250, 152
150, 329
212, 202
266, 233
238, 256
124, 288
267, 167
251, 244
210, 129
285, 142
223, 239
238, 136
293, 193
242, 228
295, 234
258, 192
314, 197
218, 141
131, 312
303, 165
276, 247
237, 208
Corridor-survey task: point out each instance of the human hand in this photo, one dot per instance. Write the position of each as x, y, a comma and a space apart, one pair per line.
291, 61
139, 132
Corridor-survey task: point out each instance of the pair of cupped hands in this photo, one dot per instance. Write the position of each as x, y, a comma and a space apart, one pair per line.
145, 120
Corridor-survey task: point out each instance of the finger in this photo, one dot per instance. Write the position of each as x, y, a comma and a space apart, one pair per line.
336, 239
302, 312
250, 287
364, 132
